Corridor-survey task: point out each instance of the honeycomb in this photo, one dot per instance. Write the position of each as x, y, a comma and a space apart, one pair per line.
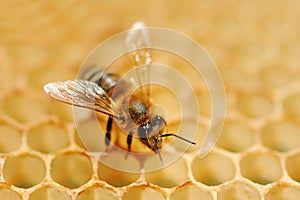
256, 46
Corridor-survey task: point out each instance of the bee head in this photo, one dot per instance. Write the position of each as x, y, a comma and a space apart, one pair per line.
150, 132
157, 126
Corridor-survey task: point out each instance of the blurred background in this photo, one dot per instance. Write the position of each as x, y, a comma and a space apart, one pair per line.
255, 45
44, 41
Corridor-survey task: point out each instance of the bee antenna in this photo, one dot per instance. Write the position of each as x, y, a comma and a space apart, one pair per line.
182, 138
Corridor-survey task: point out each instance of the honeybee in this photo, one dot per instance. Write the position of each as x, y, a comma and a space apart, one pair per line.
106, 93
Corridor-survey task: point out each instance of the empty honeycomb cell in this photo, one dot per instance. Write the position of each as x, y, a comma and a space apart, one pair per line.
281, 135
49, 193
199, 138
48, 137
236, 136
189, 129
24, 170
71, 169
9, 80
78, 140
165, 102
38, 78
254, 105
238, 191
275, 77
170, 176
97, 193
283, 192
63, 111
214, 169
9, 194
292, 164
21, 51
205, 104
190, 192
143, 193
10, 138
291, 105
261, 167
23, 107
115, 177
89, 132
236, 78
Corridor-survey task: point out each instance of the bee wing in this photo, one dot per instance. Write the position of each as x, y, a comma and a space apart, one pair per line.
138, 43
82, 93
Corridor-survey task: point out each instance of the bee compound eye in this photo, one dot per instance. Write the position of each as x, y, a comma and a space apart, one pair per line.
142, 131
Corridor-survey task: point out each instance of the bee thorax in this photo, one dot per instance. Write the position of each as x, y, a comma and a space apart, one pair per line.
138, 112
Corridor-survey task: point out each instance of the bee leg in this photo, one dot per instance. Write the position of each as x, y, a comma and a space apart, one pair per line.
108, 130
129, 141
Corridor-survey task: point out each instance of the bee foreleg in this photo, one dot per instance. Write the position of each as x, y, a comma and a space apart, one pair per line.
129, 141
108, 130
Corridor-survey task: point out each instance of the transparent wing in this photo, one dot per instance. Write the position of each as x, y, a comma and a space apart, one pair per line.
138, 43
82, 93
